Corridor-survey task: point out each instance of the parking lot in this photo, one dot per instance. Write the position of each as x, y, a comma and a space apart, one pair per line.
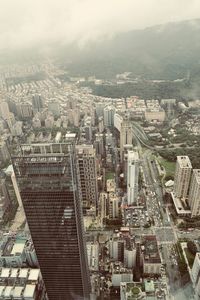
136, 217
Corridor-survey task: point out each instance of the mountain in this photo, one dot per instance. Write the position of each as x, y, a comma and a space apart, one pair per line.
167, 51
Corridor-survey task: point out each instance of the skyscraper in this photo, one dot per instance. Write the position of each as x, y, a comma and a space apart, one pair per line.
47, 180
126, 135
194, 193
132, 177
87, 175
37, 103
182, 177
108, 114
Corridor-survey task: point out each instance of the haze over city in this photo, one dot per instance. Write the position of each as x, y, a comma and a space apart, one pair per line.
24, 24
99, 150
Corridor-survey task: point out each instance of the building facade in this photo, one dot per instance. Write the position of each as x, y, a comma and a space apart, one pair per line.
47, 180
182, 177
194, 193
108, 114
132, 177
87, 175
126, 136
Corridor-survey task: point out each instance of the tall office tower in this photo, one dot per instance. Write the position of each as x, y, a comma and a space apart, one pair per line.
132, 177
5, 113
194, 193
87, 175
113, 206
103, 207
108, 115
196, 275
47, 180
99, 109
100, 124
99, 144
5, 201
54, 107
37, 103
182, 177
126, 135
24, 110
88, 128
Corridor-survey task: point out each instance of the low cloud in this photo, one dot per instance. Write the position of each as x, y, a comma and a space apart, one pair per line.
28, 23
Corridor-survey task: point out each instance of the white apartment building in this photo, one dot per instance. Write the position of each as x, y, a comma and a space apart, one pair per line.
196, 275
126, 136
182, 177
132, 177
108, 115
194, 193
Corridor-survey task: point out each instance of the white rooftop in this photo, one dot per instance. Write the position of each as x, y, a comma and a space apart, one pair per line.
1, 289
34, 274
70, 135
5, 272
17, 291
7, 292
133, 155
184, 162
14, 273
29, 291
23, 273
18, 248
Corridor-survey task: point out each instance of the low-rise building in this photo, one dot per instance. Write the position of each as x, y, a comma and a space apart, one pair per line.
21, 284
151, 256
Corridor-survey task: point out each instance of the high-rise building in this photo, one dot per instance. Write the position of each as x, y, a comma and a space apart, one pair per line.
24, 110
113, 206
47, 180
182, 177
103, 207
196, 275
87, 175
88, 128
108, 115
5, 113
101, 124
4, 153
99, 109
5, 201
37, 103
54, 107
132, 177
99, 144
126, 135
194, 193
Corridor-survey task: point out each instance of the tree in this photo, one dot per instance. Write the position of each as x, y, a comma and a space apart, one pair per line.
192, 247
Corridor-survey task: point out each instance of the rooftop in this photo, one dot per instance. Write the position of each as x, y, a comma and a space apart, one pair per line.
34, 274
29, 290
184, 162
151, 252
18, 247
179, 206
149, 286
17, 292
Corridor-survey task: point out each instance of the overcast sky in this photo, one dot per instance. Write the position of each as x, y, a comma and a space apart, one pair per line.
25, 23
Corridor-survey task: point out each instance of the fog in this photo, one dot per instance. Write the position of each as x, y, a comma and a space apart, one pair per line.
28, 23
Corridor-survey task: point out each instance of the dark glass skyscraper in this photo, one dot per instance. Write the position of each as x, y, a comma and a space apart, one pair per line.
46, 175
